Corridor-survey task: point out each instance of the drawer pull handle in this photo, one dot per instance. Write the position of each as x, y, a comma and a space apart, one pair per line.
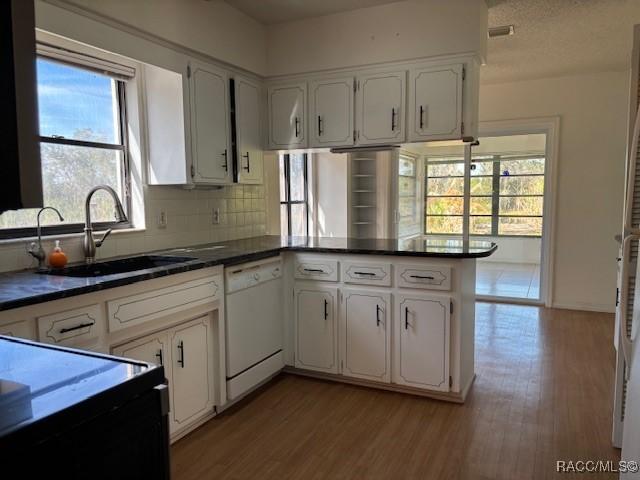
368, 274
423, 277
314, 270
77, 327
326, 309
406, 318
159, 357
181, 358
378, 315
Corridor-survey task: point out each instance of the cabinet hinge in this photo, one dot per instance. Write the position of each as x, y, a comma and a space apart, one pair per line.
354, 85
193, 171
341, 365
354, 135
462, 128
450, 381
464, 73
188, 71
451, 307
358, 84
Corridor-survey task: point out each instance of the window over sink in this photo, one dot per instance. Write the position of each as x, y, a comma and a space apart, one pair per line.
83, 142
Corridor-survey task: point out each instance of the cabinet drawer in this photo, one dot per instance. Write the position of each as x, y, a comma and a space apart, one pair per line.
136, 309
71, 327
425, 277
367, 273
316, 269
16, 329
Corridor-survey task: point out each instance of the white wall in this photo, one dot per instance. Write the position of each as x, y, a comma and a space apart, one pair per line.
396, 31
593, 109
514, 249
212, 28
330, 172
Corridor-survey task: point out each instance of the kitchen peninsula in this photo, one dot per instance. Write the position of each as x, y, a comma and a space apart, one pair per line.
382, 313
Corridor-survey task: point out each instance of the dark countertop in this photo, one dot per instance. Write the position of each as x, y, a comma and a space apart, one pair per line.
18, 289
43, 388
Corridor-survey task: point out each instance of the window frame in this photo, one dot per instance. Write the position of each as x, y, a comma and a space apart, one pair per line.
125, 167
495, 195
287, 180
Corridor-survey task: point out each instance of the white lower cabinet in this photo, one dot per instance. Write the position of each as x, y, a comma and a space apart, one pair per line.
186, 352
421, 341
365, 333
316, 340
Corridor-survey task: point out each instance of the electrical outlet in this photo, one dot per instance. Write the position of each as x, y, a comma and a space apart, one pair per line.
162, 219
215, 218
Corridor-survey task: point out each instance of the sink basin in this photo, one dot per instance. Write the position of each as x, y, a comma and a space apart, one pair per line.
122, 265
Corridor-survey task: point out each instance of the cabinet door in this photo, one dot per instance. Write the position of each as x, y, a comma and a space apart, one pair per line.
316, 339
210, 128
421, 345
435, 103
192, 371
331, 112
365, 335
287, 110
151, 349
380, 108
247, 95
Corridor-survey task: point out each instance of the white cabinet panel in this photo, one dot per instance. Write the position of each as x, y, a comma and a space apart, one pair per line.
380, 108
17, 329
247, 97
210, 128
365, 335
71, 327
287, 116
366, 273
151, 349
421, 341
428, 277
331, 112
316, 268
192, 371
316, 328
435, 103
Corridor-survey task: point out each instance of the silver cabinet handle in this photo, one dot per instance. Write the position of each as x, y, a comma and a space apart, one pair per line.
297, 127
159, 357
406, 318
368, 274
326, 309
393, 119
320, 126
378, 315
421, 117
422, 277
314, 270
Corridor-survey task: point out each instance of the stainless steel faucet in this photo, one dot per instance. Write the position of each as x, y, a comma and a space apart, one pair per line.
89, 244
39, 253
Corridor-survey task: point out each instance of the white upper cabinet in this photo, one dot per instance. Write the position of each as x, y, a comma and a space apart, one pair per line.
210, 125
380, 108
421, 341
331, 112
366, 335
287, 116
248, 132
435, 103
316, 328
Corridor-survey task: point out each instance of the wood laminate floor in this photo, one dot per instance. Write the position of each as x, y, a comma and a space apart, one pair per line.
543, 393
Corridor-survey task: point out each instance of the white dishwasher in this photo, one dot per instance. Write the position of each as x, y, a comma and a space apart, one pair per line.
254, 324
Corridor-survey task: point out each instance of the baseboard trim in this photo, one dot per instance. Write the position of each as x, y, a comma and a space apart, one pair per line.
452, 397
585, 307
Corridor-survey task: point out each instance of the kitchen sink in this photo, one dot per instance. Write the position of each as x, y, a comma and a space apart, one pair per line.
122, 265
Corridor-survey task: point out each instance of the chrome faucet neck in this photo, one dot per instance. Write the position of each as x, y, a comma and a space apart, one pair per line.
89, 244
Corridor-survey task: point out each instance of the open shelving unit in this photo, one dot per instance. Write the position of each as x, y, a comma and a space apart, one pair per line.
363, 193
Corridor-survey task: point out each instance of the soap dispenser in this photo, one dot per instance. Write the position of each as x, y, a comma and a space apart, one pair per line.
57, 258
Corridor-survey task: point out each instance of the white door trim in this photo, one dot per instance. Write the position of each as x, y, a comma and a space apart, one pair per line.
551, 127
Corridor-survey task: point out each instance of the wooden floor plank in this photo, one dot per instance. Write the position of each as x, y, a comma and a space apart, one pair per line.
542, 394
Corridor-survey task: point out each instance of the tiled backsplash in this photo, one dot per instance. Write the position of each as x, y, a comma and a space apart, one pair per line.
189, 222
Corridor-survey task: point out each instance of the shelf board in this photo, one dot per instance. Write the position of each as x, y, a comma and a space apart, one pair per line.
363, 223
364, 191
363, 175
363, 206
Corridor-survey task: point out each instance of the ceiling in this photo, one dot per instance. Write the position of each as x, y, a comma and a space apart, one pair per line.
269, 12
559, 37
